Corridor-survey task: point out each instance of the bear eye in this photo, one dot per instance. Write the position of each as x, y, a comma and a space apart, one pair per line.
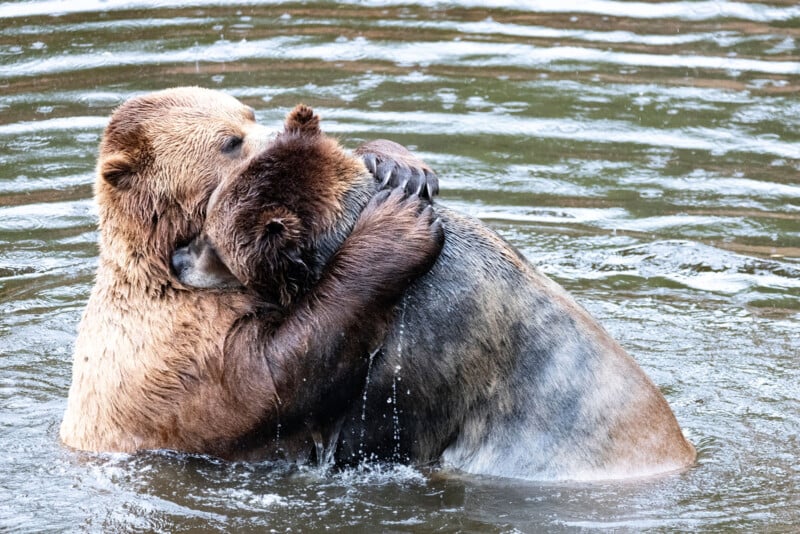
232, 144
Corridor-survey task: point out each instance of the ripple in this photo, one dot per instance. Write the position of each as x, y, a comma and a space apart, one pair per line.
464, 53
56, 124
492, 28
483, 54
221, 51
700, 181
115, 25
25, 184
695, 11
51, 215
717, 141
689, 264
527, 214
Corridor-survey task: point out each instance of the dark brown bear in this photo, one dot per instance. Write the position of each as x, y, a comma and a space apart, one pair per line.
488, 366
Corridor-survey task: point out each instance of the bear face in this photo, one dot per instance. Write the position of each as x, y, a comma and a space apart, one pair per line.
161, 157
276, 224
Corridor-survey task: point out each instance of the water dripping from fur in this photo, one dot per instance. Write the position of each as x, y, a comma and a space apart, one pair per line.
326, 448
364, 404
395, 379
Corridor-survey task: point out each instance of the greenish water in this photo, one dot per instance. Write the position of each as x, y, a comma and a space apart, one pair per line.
646, 155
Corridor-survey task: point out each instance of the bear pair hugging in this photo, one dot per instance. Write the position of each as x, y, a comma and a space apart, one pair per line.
324, 301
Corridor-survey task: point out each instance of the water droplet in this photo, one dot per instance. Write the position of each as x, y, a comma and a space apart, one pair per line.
364, 404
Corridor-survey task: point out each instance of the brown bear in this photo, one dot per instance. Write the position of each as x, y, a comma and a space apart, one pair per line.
488, 367
159, 365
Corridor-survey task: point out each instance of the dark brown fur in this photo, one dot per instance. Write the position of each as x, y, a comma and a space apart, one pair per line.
487, 366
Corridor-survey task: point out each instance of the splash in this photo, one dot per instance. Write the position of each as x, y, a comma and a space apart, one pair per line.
326, 445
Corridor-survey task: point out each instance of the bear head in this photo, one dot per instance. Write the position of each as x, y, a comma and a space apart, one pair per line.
273, 226
161, 157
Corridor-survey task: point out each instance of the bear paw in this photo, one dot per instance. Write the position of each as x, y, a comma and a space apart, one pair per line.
394, 166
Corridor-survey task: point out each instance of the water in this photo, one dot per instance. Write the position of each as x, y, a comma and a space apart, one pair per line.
645, 155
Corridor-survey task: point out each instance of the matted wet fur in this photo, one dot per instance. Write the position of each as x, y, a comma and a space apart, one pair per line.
159, 365
488, 366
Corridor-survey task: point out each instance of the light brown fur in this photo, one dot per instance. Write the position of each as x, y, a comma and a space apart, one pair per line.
144, 343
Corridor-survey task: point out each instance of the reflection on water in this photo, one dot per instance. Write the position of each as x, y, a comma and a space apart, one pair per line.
644, 154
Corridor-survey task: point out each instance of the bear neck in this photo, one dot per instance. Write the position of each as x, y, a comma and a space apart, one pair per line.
135, 253
135, 265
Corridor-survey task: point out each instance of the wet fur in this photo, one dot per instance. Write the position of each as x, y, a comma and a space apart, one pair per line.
487, 366
159, 365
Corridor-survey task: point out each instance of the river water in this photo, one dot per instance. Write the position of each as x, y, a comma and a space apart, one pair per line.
646, 155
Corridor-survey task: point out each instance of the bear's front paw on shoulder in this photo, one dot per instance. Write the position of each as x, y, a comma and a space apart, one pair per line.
394, 166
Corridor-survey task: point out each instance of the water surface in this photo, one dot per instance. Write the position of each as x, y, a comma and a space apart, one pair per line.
646, 155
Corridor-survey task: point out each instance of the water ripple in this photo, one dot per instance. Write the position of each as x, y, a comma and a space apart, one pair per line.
717, 141
464, 53
51, 215
694, 11
56, 124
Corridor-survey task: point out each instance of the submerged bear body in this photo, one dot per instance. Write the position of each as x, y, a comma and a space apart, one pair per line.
492, 368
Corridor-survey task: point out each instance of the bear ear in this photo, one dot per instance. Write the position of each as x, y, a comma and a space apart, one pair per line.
279, 226
117, 170
275, 227
302, 118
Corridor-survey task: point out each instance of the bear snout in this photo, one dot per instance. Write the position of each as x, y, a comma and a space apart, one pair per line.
198, 265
